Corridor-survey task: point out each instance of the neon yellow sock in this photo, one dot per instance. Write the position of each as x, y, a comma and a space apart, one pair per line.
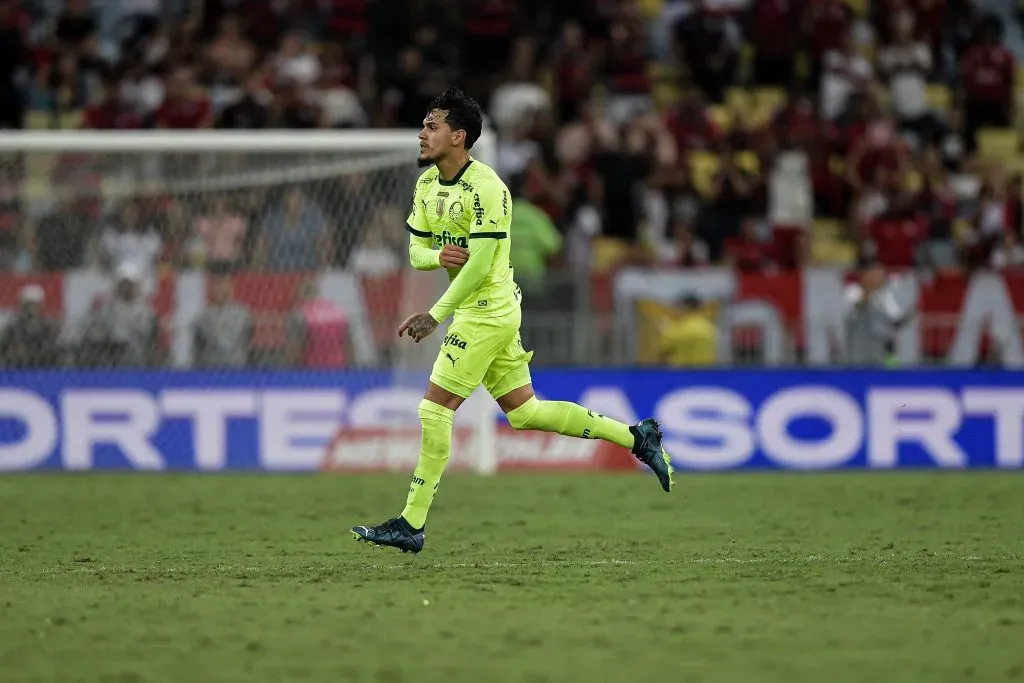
569, 419
435, 447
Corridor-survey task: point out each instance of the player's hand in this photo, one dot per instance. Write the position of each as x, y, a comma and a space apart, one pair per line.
419, 326
454, 256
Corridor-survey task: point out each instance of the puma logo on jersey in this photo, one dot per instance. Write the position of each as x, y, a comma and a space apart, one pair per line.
449, 357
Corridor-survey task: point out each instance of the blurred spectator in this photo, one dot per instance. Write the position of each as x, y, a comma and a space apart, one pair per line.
294, 236
621, 166
251, 109
689, 124
905, 65
375, 255
875, 149
827, 22
335, 95
222, 231
230, 57
129, 239
705, 42
953, 145
536, 241
748, 251
625, 73
111, 112
142, 91
732, 194
516, 150
872, 316
186, 105
518, 99
895, 234
988, 70
121, 331
13, 67
691, 340
1009, 254
775, 30
410, 91
573, 66
294, 108
935, 203
141, 16
12, 232
318, 331
294, 63
687, 250
182, 245
844, 72
29, 339
67, 86
991, 219
487, 27
75, 24
62, 235
222, 335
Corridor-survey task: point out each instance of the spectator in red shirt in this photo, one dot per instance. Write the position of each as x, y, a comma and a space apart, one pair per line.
748, 252
896, 234
625, 69
689, 124
185, 105
110, 113
572, 72
987, 70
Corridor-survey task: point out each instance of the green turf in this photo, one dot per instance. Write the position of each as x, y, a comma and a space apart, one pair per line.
883, 578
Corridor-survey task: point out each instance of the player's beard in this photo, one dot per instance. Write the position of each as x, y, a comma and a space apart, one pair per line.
422, 161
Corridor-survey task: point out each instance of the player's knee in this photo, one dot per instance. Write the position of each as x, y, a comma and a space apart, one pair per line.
523, 416
429, 410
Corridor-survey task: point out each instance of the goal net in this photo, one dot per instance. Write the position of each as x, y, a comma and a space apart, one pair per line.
265, 259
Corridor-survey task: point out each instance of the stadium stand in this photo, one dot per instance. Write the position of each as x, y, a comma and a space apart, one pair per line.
767, 134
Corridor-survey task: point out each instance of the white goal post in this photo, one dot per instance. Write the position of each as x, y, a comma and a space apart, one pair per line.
193, 169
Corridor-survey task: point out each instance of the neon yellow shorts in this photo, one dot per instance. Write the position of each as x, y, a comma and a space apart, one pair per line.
486, 351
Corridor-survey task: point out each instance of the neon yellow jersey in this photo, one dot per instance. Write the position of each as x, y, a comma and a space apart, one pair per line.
472, 207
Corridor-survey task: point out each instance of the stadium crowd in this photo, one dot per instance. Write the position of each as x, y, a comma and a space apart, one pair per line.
767, 134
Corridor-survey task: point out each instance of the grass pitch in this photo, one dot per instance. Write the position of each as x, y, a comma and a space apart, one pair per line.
835, 578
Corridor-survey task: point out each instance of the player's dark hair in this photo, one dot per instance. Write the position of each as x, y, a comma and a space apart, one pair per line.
463, 113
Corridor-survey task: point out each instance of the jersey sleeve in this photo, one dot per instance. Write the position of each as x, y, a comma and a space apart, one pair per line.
492, 211
422, 254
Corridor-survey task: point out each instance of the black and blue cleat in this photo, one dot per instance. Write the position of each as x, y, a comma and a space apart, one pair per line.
394, 533
648, 449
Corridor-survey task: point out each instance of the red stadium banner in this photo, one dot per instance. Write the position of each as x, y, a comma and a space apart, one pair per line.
950, 307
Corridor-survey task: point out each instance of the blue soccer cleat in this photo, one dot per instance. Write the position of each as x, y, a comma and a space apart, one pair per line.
648, 449
394, 533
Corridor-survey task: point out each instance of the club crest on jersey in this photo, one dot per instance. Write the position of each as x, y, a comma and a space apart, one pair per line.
448, 238
455, 211
454, 340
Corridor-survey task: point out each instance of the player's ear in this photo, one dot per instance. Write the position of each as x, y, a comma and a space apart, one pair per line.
458, 137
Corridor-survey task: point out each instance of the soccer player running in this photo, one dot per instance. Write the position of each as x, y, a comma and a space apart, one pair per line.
460, 221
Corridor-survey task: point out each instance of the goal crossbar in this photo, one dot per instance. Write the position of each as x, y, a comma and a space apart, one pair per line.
370, 140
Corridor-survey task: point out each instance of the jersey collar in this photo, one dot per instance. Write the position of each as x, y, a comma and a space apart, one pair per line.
458, 176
